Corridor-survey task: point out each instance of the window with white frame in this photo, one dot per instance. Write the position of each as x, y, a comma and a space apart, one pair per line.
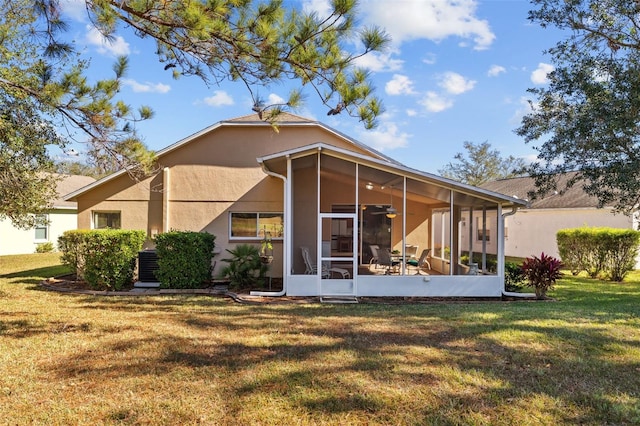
254, 225
104, 220
441, 234
42, 227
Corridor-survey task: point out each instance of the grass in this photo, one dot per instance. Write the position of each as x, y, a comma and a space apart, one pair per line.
77, 359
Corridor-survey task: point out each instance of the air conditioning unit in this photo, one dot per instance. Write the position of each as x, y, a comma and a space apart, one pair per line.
147, 266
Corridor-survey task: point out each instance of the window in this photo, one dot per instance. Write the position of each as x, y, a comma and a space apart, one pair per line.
254, 225
42, 227
441, 234
103, 220
480, 232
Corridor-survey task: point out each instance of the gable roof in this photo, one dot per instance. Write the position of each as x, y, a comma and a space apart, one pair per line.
573, 197
285, 119
67, 184
288, 119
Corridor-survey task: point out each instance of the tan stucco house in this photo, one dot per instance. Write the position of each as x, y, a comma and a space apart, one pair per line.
532, 230
61, 216
310, 187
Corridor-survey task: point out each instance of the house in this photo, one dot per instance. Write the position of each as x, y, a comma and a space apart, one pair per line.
314, 190
532, 230
61, 217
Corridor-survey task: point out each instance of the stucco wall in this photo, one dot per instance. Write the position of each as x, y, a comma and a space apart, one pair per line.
530, 232
20, 241
208, 177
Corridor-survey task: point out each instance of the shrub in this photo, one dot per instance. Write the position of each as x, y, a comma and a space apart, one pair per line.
44, 247
514, 279
608, 252
621, 248
541, 273
184, 258
72, 246
244, 268
490, 259
572, 249
110, 257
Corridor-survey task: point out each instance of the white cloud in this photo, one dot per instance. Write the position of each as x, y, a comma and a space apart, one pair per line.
429, 58
146, 87
379, 62
116, 46
539, 75
524, 107
434, 102
399, 85
430, 19
75, 9
385, 137
496, 70
411, 112
219, 98
275, 99
456, 84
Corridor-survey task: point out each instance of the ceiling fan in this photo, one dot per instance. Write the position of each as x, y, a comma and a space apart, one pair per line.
390, 211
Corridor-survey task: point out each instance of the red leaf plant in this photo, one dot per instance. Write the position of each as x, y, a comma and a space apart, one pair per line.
541, 273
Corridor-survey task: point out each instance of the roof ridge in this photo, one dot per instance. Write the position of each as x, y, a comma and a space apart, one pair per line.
282, 118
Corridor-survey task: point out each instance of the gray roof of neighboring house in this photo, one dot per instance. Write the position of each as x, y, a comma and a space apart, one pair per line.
573, 197
68, 184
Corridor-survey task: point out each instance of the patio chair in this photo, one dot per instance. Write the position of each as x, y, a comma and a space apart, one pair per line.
374, 254
312, 268
420, 263
385, 260
411, 251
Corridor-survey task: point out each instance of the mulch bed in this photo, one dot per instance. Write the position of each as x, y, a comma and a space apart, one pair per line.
69, 284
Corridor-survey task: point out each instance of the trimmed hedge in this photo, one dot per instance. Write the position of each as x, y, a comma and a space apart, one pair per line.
106, 258
72, 246
184, 258
601, 252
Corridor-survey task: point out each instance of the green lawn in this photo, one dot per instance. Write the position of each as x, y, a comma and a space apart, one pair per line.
78, 359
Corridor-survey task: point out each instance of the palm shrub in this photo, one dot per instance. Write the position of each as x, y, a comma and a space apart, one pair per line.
541, 273
244, 267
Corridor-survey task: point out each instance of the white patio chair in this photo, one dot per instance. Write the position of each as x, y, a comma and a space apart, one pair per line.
312, 268
420, 263
385, 260
411, 251
374, 254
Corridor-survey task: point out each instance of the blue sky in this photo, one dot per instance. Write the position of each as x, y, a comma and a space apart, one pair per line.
456, 71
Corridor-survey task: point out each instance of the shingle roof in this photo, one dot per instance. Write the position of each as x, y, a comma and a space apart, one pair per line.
573, 197
284, 117
67, 184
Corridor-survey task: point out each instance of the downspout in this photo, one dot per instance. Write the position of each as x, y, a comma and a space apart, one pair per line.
165, 199
285, 255
513, 211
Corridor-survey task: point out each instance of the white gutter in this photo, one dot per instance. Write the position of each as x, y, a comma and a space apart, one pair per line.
165, 199
285, 252
513, 211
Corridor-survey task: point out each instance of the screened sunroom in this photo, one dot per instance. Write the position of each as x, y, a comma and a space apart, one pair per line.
357, 226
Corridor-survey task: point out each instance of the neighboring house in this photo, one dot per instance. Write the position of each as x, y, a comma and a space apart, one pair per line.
314, 190
532, 230
62, 216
